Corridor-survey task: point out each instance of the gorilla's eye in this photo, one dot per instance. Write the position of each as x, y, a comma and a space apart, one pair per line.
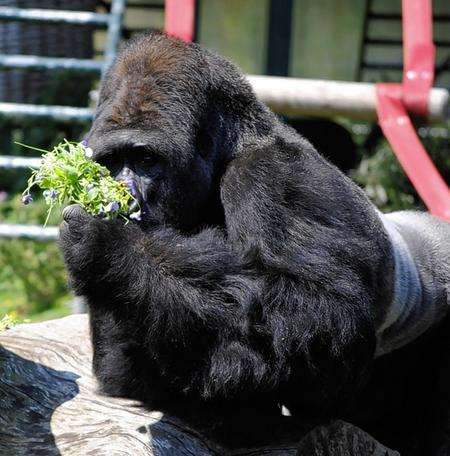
148, 160
113, 163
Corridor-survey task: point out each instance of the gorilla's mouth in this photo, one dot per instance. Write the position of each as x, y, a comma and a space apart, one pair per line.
139, 208
135, 210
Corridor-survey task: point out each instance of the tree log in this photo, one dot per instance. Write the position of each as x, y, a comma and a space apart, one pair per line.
49, 405
322, 98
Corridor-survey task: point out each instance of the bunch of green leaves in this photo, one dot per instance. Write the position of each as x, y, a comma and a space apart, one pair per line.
386, 183
69, 176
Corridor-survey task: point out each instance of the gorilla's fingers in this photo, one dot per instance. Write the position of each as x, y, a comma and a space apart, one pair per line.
134, 206
75, 225
74, 212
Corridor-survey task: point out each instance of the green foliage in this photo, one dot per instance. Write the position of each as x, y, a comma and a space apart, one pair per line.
10, 320
14, 180
32, 275
68, 175
385, 182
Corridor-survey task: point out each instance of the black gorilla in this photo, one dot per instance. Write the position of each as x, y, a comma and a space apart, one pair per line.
259, 273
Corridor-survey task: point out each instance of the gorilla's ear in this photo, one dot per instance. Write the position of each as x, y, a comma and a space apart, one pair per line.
231, 114
213, 133
205, 140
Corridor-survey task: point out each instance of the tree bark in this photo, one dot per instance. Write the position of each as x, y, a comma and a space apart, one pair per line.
49, 406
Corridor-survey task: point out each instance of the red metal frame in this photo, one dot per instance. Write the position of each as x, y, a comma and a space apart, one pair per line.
395, 100
180, 19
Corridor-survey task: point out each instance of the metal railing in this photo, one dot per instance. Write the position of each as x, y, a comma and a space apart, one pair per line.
19, 111
39, 233
34, 62
54, 16
372, 39
113, 22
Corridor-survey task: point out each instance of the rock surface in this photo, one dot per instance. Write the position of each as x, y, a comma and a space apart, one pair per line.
49, 406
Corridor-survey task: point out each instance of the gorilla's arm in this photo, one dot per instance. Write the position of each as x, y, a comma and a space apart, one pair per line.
165, 309
310, 233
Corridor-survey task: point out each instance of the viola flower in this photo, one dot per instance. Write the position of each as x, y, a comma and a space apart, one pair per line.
88, 152
50, 194
112, 207
27, 199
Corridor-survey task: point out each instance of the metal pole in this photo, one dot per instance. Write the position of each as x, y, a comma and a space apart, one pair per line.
49, 233
20, 111
50, 63
7, 161
53, 16
114, 30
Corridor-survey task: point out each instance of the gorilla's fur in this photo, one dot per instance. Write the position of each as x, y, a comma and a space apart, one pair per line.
260, 272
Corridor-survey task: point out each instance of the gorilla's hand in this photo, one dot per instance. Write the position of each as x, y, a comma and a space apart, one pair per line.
91, 246
78, 234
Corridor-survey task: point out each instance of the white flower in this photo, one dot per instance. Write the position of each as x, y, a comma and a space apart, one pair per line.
112, 207
88, 152
135, 215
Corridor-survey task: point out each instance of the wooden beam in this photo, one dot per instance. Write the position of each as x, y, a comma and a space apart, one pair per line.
321, 98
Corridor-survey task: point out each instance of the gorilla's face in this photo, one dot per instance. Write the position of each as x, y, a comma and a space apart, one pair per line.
167, 189
150, 132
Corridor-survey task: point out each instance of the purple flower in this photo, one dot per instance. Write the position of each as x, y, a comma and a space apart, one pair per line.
27, 199
101, 213
112, 207
131, 185
51, 194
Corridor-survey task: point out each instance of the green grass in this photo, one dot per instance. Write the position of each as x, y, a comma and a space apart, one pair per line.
33, 280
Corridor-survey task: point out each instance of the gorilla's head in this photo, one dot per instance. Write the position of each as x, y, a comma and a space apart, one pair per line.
170, 116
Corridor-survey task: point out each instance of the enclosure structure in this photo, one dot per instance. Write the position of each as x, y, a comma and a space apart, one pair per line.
289, 96
286, 96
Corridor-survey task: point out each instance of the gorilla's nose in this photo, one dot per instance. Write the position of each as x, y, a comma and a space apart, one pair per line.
130, 180
127, 177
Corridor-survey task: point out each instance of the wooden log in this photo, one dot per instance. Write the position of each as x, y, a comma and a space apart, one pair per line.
49, 406
321, 98
329, 99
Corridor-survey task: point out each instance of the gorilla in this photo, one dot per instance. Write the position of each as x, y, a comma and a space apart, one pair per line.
259, 275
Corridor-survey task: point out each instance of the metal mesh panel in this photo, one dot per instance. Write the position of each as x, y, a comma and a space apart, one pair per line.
53, 40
